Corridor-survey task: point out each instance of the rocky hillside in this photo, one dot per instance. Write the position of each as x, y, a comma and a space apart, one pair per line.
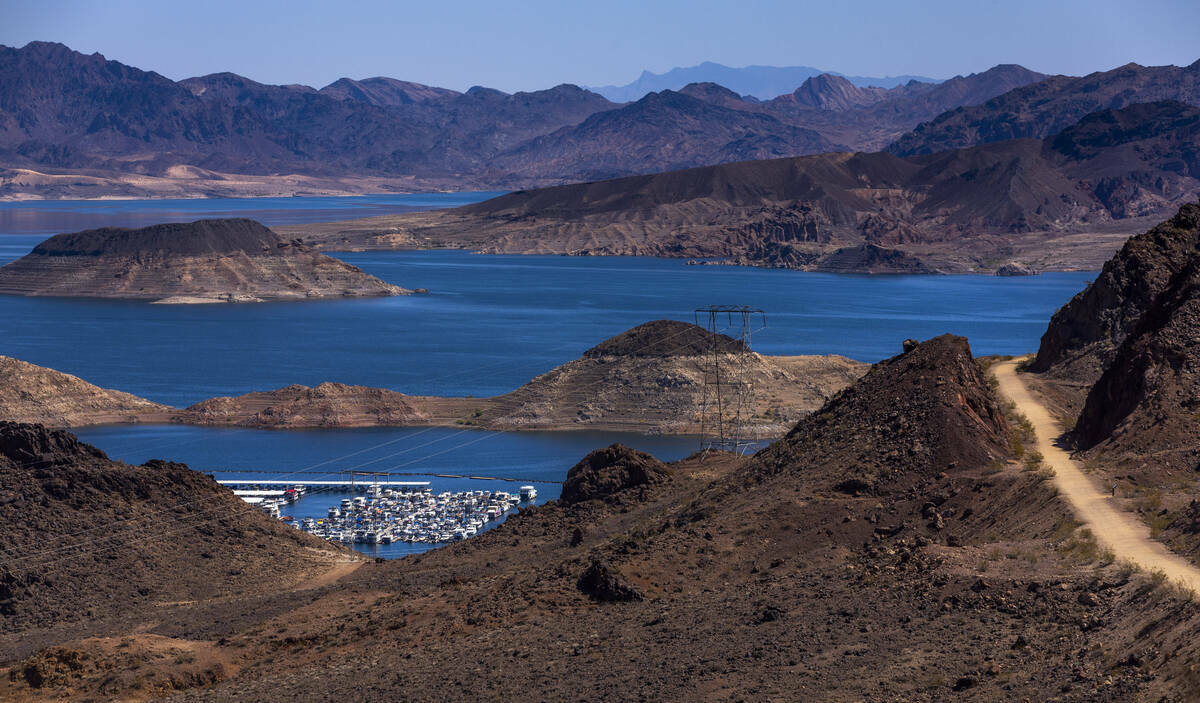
1064, 202
88, 538
203, 261
1122, 364
723, 577
1047, 107
1084, 336
36, 394
867, 440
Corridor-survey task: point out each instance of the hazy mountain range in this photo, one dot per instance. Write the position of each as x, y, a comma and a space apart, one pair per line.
762, 82
75, 125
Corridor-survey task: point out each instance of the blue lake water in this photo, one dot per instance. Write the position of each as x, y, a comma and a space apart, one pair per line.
489, 324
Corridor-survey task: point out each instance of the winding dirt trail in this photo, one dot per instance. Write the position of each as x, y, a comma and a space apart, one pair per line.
1121, 532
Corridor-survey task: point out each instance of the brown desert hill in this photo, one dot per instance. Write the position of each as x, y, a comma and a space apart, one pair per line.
1065, 202
232, 260
89, 539
913, 416
606, 472
1084, 335
647, 379
1044, 108
30, 393
956, 576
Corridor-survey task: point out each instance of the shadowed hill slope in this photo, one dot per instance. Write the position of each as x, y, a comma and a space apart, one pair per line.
88, 538
1085, 334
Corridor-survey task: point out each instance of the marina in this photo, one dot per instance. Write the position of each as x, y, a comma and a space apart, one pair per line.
389, 512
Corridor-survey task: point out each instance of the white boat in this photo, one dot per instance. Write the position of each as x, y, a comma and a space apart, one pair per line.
528, 493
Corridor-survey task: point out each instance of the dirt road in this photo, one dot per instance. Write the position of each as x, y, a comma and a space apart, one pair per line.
1114, 528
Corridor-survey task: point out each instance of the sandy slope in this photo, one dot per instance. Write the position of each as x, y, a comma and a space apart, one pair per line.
1125, 535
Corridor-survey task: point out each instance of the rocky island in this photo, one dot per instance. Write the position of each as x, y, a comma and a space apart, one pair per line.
207, 261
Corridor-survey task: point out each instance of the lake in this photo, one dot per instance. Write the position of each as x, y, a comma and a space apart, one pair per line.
489, 324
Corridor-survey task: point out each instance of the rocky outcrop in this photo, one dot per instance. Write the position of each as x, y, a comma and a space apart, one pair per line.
606, 472
1084, 335
909, 418
30, 393
1147, 401
871, 258
233, 260
1016, 269
603, 584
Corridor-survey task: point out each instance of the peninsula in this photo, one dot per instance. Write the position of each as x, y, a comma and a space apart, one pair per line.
648, 379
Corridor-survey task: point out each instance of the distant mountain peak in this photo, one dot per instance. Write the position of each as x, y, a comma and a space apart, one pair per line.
762, 82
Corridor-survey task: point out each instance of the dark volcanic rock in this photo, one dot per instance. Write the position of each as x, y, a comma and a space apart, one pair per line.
608, 471
1147, 402
665, 338
34, 444
909, 419
1084, 335
602, 584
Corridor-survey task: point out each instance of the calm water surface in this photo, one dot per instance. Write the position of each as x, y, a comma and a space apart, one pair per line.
489, 324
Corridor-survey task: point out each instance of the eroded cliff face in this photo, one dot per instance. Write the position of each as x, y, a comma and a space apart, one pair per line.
235, 260
1085, 334
1147, 401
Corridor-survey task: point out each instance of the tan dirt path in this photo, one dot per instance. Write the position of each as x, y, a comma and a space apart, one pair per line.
1125, 535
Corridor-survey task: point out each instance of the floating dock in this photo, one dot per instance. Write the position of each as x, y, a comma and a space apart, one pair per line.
258, 485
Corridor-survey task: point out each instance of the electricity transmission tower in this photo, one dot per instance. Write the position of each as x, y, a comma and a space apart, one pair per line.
727, 401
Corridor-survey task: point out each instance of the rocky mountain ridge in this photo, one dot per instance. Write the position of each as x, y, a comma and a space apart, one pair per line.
81, 126
1065, 202
1044, 108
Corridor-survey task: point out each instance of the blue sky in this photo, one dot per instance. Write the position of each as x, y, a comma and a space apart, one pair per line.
518, 45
